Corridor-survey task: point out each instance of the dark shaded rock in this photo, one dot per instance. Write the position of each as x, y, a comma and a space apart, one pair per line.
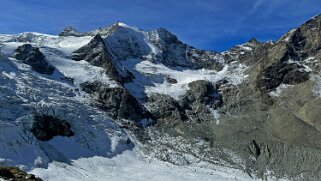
32, 56
14, 173
127, 77
193, 106
248, 53
287, 73
45, 127
164, 108
6, 173
117, 101
296, 77
306, 40
171, 80
203, 92
96, 53
220, 83
255, 149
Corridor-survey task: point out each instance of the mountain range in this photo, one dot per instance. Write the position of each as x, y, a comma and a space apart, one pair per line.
123, 103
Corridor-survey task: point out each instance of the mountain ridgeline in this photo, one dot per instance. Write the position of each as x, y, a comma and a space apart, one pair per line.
255, 107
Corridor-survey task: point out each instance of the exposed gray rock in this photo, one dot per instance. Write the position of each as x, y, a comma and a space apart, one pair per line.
176, 53
103, 31
32, 56
193, 106
248, 53
96, 53
278, 73
45, 127
70, 31
117, 101
165, 109
202, 92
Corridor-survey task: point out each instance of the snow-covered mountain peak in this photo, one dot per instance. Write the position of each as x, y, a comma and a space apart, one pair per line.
124, 25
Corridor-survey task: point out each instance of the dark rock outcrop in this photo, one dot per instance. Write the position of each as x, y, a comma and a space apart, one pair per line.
193, 106
32, 56
45, 127
248, 53
202, 92
117, 101
279, 73
165, 109
70, 31
96, 53
14, 173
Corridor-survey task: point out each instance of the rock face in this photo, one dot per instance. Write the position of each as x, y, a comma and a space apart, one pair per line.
45, 127
203, 92
69, 31
32, 56
278, 73
176, 53
194, 106
165, 109
249, 53
116, 101
13, 173
96, 53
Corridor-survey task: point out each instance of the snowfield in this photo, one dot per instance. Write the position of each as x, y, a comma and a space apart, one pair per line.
129, 166
151, 77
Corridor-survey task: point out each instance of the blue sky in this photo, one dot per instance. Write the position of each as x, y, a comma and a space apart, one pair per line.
205, 24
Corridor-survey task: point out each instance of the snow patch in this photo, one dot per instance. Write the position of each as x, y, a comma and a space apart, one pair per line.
152, 77
278, 91
317, 86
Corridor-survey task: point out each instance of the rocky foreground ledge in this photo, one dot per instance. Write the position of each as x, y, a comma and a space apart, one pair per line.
15, 174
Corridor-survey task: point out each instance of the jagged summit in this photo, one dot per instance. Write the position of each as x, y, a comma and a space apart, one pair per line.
103, 31
69, 31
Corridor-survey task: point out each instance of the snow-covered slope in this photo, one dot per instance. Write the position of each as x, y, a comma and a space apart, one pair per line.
24, 92
130, 166
154, 78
